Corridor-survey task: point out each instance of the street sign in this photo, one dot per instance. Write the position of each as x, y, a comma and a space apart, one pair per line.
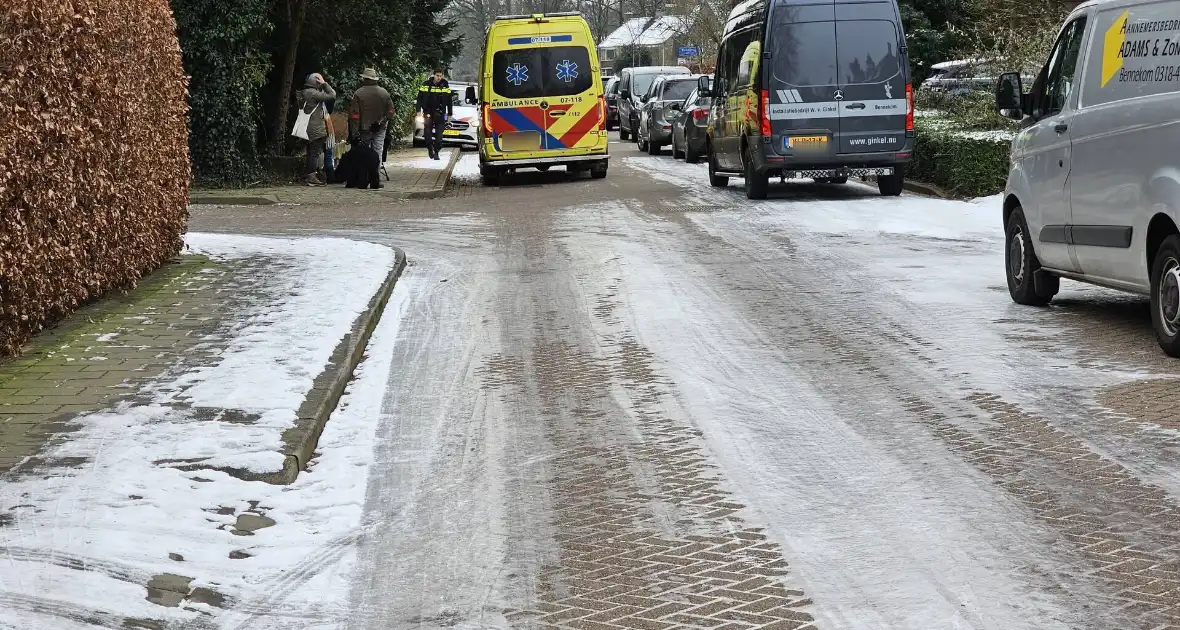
688, 51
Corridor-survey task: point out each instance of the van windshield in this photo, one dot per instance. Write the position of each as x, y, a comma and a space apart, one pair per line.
867, 51
805, 52
642, 82
538, 72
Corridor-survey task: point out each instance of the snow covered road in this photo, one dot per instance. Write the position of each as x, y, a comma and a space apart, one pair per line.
646, 403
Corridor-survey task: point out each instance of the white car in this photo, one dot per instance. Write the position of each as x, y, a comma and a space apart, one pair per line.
462, 127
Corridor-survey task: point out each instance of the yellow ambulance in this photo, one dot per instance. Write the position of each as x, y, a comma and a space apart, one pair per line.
542, 102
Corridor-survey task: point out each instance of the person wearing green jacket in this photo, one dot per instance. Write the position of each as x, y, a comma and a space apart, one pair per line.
312, 99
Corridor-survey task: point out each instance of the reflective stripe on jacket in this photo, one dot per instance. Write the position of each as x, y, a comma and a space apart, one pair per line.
435, 98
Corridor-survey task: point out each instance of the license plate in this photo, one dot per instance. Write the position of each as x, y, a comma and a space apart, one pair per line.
807, 142
451, 132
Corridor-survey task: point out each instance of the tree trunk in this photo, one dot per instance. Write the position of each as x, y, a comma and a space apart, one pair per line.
296, 10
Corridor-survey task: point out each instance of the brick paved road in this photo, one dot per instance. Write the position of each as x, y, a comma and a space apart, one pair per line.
645, 403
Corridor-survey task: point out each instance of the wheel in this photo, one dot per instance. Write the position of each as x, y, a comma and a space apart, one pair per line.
623, 135
490, 175
1022, 267
640, 142
598, 171
823, 180
715, 180
756, 183
1165, 295
652, 147
543, 168
838, 180
690, 156
676, 152
891, 185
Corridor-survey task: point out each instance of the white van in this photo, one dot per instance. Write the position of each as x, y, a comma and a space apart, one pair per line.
1094, 185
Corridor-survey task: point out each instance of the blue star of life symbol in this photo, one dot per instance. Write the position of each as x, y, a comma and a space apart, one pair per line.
567, 70
518, 74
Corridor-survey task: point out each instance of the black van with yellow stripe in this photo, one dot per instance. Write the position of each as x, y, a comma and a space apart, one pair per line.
811, 89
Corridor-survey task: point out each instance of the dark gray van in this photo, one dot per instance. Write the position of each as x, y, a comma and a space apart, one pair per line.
811, 89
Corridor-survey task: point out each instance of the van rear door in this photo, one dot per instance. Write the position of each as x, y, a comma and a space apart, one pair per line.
570, 100
802, 81
872, 78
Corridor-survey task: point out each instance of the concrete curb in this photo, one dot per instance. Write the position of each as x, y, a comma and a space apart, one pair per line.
300, 442
438, 191
233, 200
929, 190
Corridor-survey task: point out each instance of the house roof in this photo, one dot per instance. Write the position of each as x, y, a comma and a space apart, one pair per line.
632, 33
626, 34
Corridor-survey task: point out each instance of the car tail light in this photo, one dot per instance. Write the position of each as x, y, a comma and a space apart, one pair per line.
700, 113
909, 107
487, 119
765, 113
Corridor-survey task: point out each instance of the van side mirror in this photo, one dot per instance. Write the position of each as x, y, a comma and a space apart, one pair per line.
469, 95
703, 87
1010, 96
624, 93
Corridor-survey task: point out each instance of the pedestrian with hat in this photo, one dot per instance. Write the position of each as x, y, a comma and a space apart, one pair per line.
436, 104
370, 112
312, 99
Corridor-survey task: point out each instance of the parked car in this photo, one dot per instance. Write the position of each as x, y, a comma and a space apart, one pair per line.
664, 98
843, 108
634, 83
606, 79
612, 103
461, 128
689, 126
1093, 190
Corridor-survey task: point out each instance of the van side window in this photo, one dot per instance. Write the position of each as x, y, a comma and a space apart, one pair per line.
719, 86
1063, 64
751, 54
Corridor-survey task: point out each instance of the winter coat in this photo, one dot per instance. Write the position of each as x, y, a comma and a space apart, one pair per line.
309, 99
435, 98
370, 104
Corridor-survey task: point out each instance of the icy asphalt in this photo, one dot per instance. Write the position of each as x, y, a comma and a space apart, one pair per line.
645, 403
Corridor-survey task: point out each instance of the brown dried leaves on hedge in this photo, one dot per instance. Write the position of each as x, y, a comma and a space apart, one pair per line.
94, 162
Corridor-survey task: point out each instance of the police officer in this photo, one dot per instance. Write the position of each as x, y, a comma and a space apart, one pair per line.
434, 101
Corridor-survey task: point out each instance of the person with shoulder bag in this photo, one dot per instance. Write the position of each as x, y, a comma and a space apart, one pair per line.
312, 101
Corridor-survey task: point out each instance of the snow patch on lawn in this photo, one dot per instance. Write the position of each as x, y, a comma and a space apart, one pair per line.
90, 537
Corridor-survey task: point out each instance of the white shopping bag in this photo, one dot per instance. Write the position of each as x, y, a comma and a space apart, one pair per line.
300, 129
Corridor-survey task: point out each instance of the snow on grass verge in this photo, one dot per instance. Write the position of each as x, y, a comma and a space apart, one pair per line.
89, 538
467, 170
426, 163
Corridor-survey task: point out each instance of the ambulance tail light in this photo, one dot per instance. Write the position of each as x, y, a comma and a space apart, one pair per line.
764, 113
909, 107
487, 119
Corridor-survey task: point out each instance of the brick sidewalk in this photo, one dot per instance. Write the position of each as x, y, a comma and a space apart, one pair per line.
106, 353
406, 181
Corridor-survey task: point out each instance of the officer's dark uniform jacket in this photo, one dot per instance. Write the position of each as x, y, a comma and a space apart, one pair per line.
435, 98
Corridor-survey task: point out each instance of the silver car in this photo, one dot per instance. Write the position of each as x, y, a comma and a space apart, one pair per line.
462, 127
1093, 189
665, 97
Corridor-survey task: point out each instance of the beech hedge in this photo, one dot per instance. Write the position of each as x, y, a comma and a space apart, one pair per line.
95, 168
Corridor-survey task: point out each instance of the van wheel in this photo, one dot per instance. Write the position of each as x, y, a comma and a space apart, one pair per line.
623, 135
690, 156
490, 175
1022, 267
891, 185
598, 171
1165, 295
838, 180
715, 180
676, 152
543, 167
756, 183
